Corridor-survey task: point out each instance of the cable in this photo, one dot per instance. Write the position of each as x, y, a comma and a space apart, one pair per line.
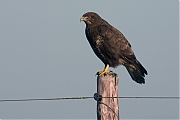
109, 108
41, 99
147, 97
73, 98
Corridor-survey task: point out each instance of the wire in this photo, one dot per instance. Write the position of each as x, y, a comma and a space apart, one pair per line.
41, 99
76, 98
109, 108
148, 97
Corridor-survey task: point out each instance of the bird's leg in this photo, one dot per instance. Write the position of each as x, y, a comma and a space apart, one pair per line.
105, 71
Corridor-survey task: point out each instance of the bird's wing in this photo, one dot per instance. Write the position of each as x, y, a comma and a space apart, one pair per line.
117, 41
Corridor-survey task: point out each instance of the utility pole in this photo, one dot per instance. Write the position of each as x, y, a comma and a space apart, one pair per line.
107, 86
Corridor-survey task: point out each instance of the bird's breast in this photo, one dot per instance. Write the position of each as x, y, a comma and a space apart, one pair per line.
98, 47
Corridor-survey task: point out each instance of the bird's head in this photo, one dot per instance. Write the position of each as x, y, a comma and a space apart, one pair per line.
90, 18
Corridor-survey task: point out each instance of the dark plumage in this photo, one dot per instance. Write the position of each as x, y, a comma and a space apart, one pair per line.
111, 47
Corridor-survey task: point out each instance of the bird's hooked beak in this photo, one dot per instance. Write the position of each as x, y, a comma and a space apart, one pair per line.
83, 19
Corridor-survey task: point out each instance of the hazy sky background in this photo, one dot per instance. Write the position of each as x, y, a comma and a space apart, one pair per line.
44, 54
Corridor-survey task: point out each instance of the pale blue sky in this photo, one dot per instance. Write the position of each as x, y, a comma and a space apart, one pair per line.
44, 54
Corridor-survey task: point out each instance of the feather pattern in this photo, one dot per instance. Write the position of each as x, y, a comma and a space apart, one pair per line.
111, 46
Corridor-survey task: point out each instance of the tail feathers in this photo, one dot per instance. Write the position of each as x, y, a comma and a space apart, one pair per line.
141, 69
137, 72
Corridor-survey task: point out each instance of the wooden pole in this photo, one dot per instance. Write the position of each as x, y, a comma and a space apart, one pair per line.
107, 108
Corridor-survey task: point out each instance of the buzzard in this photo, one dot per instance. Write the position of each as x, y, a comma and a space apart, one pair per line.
111, 47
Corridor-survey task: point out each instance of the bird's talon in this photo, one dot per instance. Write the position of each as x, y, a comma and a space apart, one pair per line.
100, 73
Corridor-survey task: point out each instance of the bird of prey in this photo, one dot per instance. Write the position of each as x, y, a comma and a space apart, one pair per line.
111, 47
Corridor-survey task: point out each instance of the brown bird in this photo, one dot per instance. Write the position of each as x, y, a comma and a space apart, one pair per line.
111, 47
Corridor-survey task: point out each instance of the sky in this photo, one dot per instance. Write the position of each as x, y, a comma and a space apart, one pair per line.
45, 54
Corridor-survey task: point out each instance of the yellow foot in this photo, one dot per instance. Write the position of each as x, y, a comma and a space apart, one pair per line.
104, 72
100, 73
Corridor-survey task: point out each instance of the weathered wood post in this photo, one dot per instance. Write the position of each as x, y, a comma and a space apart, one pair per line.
107, 108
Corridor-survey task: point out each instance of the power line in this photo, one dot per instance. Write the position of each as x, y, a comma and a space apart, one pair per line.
45, 99
99, 97
148, 97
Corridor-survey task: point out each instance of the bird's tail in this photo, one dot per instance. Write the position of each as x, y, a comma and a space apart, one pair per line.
137, 72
